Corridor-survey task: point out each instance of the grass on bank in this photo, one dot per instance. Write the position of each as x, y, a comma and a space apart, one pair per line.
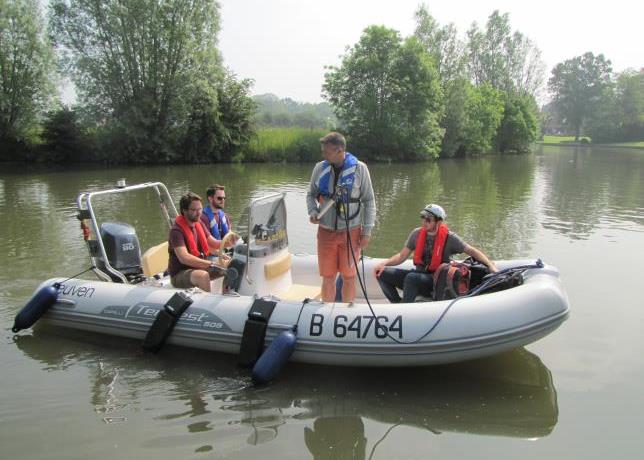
563, 139
275, 144
587, 140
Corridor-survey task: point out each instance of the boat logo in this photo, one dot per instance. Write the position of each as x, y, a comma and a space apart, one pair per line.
127, 246
76, 291
194, 318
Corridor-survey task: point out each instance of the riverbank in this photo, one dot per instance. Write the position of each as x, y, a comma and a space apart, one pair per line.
569, 141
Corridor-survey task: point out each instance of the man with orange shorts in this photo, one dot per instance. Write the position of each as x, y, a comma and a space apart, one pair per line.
346, 180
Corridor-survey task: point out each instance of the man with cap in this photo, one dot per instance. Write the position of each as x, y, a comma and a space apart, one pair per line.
432, 244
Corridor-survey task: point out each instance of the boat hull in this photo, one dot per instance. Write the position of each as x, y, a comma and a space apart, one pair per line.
356, 334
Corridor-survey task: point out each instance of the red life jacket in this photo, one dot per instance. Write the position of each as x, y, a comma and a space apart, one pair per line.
437, 252
190, 239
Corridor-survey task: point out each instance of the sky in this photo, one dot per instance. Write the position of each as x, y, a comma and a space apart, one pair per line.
283, 45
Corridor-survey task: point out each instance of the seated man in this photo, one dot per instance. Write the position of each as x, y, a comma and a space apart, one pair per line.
432, 244
189, 245
214, 216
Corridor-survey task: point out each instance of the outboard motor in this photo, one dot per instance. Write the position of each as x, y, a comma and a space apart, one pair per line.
122, 249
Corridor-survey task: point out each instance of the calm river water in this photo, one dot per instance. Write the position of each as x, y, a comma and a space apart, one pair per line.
577, 393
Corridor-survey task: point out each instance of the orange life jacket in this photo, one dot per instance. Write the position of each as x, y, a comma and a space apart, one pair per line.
190, 239
437, 252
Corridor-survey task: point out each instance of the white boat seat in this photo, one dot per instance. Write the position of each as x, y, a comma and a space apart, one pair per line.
282, 267
155, 259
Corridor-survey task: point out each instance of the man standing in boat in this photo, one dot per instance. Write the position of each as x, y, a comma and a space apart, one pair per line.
348, 222
214, 215
189, 244
432, 244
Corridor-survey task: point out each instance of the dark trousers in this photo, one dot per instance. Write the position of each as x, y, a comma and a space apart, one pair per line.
412, 283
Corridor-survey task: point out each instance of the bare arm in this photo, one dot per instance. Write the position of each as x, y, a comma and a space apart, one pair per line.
396, 259
213, 244
481, 257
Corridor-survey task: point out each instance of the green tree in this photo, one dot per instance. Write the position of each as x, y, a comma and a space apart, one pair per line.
508, 61
387, 94
630, 96
141, 67
519, 126
26, 69
578, 86
63, 138
219, 122
443, 45
472, 118
485, 109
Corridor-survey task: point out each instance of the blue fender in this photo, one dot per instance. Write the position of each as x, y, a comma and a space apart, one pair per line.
41, 301
274, 357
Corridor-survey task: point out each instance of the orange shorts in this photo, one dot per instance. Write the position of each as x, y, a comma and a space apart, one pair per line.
333, 256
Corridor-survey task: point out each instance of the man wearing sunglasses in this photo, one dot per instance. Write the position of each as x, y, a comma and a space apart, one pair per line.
213, 215
190, 245
432, 244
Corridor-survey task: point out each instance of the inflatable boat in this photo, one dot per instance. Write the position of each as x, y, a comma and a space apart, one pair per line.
268, 292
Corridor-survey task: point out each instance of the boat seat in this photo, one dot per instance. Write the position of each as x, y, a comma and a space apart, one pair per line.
282, 267
301, 292
155, 259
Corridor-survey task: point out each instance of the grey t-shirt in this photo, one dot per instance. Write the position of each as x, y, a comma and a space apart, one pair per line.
453, 245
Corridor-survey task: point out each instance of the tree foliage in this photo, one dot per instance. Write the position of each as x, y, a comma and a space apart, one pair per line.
26, 69
619, 117
387, 94
151, 71
519, 126
579, 85
508, 61
63, 137
442, 44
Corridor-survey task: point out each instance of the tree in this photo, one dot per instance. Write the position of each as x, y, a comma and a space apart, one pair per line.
474, 114
630, 95
387, 94
443, 45
26, 68
578, 86
63, 137
519, 126
507, 61
141, 65
219, 122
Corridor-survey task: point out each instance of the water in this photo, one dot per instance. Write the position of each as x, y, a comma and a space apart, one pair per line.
575, 394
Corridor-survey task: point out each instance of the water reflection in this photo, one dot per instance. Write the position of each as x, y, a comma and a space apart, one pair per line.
584, 189
508, 395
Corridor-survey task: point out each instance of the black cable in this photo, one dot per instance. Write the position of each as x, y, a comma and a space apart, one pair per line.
306, 300
79, 274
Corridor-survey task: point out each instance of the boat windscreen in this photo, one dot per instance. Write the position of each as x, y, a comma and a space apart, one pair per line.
264, 221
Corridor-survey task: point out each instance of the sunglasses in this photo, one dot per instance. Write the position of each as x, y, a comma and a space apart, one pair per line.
220, 198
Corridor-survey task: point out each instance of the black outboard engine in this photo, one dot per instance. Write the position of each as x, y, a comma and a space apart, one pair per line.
122, 249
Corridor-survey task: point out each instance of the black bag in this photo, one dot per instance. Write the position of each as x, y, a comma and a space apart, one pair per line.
451, 280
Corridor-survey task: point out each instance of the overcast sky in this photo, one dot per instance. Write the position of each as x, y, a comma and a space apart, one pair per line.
284, 44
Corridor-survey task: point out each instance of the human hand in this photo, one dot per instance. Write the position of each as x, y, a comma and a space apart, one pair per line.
230, 242
223, 260
314, 220
379, 269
